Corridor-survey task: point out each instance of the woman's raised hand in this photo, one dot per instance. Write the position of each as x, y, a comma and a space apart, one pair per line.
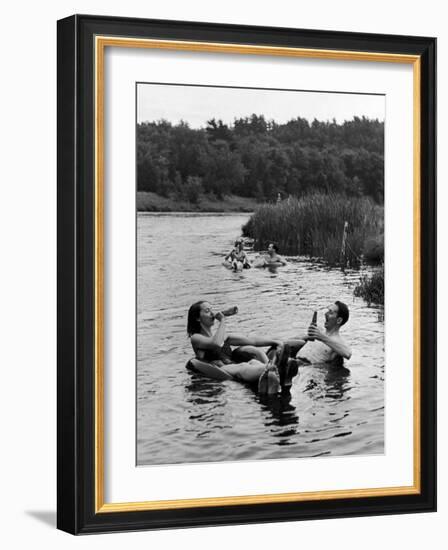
219, 316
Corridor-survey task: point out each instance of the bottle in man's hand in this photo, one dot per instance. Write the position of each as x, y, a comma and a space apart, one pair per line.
313, 324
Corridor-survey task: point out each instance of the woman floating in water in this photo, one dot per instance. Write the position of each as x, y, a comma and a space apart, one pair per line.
237, 259
215, 357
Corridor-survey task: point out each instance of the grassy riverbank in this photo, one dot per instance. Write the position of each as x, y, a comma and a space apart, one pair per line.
151, 202
371, 288
314, 226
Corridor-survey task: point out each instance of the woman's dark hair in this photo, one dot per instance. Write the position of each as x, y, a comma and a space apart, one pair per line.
275, 247
193, 323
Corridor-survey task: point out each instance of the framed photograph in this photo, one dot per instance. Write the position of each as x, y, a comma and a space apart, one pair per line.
246, 274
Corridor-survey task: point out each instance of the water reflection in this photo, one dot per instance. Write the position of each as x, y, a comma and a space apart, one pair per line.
273, 269
325, 381
278, 409
200, 390
284, 417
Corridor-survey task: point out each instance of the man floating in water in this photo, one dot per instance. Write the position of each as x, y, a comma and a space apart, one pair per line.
324, 347
317, 347
271, 259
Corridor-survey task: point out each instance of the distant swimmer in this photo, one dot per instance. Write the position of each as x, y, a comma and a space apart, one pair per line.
272, 258
237, 258
324, 347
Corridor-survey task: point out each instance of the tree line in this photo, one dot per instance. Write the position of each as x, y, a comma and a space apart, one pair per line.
258, 158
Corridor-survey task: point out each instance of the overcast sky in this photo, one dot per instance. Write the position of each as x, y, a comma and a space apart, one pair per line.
197, 104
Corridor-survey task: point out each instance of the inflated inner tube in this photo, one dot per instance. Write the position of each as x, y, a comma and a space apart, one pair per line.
208, 369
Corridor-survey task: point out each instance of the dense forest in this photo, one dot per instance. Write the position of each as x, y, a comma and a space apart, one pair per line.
260, 159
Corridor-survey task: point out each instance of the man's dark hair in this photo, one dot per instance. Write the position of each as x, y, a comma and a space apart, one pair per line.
343, 312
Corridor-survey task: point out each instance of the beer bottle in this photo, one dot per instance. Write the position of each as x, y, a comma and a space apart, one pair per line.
313, 324
229, 311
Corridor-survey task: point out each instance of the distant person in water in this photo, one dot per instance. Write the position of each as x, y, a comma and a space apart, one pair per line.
237, 257
215, 347
272, 257
324, 347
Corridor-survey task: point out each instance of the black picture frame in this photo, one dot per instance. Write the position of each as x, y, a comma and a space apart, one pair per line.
77, 511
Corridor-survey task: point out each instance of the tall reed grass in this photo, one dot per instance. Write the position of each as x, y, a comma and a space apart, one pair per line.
371, 288
314, 226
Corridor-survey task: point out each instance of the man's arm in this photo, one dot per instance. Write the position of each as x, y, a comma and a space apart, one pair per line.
336, 344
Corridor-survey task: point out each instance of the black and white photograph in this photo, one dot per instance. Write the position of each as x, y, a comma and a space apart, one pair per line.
260, 274
203, 192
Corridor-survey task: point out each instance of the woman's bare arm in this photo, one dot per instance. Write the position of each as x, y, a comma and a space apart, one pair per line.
216, 341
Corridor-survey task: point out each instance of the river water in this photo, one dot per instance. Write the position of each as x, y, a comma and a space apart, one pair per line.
184, 417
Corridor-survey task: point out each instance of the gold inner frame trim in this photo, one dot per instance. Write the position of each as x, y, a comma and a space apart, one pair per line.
101, 42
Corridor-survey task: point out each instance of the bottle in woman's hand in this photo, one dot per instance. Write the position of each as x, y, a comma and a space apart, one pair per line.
229, 311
